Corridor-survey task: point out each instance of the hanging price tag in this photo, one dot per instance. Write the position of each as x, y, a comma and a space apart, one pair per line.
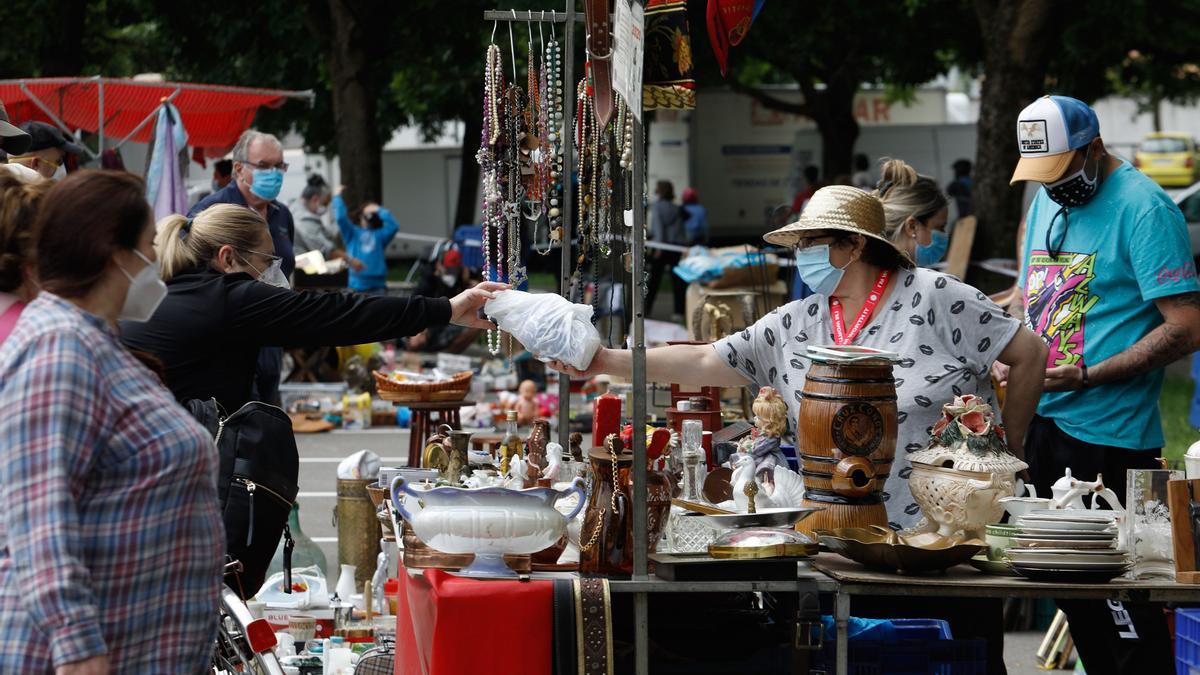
628, 52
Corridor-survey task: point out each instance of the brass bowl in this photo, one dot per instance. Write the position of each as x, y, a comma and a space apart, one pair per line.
881, 548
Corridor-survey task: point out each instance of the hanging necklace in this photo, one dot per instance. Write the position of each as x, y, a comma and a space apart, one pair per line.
553, 109
493, 205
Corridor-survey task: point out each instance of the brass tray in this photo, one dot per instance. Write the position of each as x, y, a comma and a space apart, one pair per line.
881, 548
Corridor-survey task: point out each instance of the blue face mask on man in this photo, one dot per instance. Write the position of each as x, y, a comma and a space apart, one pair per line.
267, 183
815, 270
928, 256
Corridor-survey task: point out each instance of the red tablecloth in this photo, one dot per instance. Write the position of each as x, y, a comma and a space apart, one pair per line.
448, 625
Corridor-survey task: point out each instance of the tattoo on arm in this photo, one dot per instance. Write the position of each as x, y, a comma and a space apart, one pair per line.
1160, 347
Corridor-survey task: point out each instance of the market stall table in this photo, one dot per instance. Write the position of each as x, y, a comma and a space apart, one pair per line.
964, 581
427, 416
438, 610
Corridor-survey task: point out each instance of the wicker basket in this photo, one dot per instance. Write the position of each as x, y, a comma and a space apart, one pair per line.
454, 389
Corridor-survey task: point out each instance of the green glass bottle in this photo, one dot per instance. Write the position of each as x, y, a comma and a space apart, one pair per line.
305, 552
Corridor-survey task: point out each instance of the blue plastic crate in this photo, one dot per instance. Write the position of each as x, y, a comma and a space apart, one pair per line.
1187, 641
921, 646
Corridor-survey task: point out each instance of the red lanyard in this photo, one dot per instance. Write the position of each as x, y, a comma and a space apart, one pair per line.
840, 335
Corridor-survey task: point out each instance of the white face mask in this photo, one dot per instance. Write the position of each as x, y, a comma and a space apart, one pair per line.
146, 292
449, 279
274, 274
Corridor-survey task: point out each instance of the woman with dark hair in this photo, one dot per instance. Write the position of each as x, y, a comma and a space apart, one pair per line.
110, 539
19, 200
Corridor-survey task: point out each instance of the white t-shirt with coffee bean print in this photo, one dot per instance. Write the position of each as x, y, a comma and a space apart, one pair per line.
946, 332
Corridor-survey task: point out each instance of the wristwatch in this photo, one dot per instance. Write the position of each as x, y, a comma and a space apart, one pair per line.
1086, 384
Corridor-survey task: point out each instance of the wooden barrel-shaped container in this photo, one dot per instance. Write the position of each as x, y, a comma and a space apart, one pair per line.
847, 439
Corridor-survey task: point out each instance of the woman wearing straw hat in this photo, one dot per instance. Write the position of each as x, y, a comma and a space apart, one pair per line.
867, 293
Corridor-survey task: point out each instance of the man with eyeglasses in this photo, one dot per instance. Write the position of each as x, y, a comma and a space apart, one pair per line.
48, 149
258, 170
1109, 283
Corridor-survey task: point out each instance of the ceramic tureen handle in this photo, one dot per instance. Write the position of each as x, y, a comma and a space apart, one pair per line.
398, 487
577, 488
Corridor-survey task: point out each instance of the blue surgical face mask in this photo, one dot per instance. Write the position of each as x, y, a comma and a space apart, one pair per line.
928, 256
815, 270
267, 183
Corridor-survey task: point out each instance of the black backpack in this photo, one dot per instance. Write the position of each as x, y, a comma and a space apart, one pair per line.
257, 483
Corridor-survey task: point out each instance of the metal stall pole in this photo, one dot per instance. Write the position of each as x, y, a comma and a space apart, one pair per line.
640, 545
568, 139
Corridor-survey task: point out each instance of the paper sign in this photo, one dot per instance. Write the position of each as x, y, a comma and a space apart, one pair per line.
628, 50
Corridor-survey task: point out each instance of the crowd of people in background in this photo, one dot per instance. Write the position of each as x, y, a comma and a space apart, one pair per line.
110, 497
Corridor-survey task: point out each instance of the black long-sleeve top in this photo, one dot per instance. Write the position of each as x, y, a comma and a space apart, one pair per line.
208, 329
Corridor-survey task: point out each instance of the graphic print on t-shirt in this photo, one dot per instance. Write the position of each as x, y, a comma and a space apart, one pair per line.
1057, 299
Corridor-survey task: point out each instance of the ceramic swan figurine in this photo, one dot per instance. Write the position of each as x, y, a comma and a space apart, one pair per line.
517, 472
785, 491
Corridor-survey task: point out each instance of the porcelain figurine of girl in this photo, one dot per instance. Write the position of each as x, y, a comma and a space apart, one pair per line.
770, 421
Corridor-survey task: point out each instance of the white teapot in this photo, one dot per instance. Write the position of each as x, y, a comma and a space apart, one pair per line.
1068, 493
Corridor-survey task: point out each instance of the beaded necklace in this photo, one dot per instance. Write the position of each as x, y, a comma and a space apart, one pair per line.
489, 163
553, 113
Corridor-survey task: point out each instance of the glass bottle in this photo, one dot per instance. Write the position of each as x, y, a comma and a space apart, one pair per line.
512, 444
305, 553
692, 452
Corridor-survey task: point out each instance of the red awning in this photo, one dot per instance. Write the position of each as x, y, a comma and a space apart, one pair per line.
214, 115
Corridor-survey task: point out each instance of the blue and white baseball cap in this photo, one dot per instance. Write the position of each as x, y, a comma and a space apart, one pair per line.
1049, 130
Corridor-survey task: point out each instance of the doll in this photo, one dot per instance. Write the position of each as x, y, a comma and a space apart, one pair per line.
527, 407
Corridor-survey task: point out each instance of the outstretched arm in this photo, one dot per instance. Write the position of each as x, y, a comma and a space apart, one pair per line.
697, 365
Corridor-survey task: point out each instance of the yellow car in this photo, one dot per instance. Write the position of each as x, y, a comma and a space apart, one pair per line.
1170, 158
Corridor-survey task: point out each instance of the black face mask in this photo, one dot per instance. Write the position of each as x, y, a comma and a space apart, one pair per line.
1077, 189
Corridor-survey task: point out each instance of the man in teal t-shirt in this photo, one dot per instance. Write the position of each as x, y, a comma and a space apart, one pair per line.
1108, 281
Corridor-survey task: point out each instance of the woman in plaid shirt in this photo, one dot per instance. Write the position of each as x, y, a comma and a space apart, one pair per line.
110, 538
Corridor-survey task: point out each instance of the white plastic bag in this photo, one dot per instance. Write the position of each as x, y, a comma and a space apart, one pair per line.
308, 590
362, 464
550, 326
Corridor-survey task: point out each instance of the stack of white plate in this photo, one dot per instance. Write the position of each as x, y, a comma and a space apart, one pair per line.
1067, 545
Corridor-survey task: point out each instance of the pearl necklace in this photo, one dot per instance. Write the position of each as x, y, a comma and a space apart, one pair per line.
493, 204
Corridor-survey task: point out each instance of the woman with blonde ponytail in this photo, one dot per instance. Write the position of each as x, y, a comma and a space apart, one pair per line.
915, 209
227, 297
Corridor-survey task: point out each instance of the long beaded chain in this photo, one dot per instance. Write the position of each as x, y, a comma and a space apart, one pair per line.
489, 162
625, 148
514, 187
552, 110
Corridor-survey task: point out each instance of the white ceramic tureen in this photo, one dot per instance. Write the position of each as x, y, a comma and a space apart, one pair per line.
489, 522
959, 478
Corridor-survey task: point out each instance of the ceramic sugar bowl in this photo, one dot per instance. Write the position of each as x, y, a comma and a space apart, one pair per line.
959, 478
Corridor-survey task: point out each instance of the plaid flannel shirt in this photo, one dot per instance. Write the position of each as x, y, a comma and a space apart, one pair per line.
110, 537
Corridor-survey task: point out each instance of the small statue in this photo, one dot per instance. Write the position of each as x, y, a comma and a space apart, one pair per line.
536, 447
527, 407
576, 441
518, 473
770, 421
554, 471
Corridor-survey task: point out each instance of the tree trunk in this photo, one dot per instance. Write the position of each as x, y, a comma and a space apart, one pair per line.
354, 112
468, 173
839, 130
1016, 50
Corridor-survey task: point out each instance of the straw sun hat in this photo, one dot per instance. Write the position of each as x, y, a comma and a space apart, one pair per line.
837, 207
